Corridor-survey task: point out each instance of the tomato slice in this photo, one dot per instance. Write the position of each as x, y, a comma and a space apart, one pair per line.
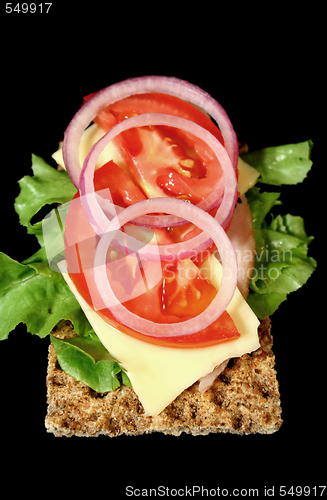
164, 165
181, 293
123, 190
153, 102
165, 161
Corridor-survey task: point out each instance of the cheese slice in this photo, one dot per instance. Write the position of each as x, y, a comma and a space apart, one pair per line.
90, 136
159, 374
247, 176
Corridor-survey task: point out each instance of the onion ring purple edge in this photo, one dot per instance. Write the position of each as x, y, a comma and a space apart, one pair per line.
96, 215
168, 85
194, 215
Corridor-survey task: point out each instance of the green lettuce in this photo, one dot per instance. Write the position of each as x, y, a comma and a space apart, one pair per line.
282, 264
47, 186
88, 361
280, 165
34, 294
38, 297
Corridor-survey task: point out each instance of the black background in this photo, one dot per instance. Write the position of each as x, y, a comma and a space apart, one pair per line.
266, 73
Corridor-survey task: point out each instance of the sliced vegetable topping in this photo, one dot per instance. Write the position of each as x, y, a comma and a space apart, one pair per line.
184, 166
216, 307
173, 292
224, 213
134, 86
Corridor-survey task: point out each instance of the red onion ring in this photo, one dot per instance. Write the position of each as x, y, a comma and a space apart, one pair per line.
99, 220
167, 85
205, 222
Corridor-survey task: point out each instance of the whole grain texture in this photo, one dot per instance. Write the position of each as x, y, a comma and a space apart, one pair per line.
244, 399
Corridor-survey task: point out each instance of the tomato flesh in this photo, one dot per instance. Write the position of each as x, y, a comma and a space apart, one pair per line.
149, 103
165, 161
122, 189
160, 161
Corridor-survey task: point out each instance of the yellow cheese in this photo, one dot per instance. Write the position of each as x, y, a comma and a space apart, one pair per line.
247, 176
159, 374
90, 136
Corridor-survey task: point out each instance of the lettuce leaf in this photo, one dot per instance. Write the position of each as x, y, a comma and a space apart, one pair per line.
88, 361
47, 186
281, 264
34, 294
280, 165
37, 297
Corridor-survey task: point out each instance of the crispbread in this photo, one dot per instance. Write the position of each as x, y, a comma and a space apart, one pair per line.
244, 399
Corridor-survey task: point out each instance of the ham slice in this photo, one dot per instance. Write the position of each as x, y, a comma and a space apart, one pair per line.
206, 382
241, 234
